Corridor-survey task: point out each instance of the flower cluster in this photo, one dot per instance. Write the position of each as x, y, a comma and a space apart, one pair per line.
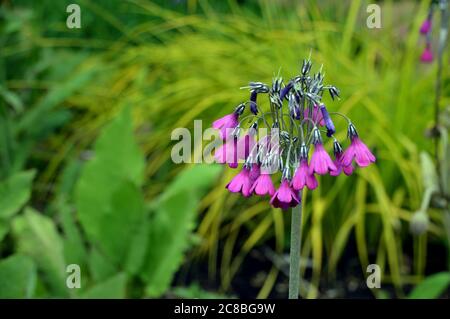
289, 132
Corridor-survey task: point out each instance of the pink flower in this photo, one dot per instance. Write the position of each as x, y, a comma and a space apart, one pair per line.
241, 183
427, 55
303, 178
426, 26
321, 162
263, 185
316, 115
245, 145
348, 170
285, 196
227, 153
358, 151
226, 124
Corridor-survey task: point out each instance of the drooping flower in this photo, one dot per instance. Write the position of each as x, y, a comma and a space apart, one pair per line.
427, 54
227, 153
285, 196
321, 162
338, 153
227, 123
357, 150
241, 183
263, 185
316, 115
425, 28
302, 177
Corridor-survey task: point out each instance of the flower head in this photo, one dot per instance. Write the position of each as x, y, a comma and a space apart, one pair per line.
357, 150
241, 183
289, 129
285, 196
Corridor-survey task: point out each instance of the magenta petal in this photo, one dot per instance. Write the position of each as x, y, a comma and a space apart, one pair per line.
321, 162
240, 183
225, 123
425, 27
427, 55
263, 186
285, 197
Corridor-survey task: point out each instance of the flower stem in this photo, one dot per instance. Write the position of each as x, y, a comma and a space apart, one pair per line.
294, 269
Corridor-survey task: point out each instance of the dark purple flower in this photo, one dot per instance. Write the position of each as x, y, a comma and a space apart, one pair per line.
285, 196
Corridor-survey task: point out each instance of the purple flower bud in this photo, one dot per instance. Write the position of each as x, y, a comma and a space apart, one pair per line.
253, 106
286, 90
426, 26
328, 122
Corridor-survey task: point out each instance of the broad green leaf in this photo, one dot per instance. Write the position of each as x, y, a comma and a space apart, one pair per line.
109, 202
15, 192
171, 225
100, 268
432, 287
37, 237
112, 288
17, 277
138, 249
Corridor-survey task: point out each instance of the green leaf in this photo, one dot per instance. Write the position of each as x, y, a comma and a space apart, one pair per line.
108, 199
37, 237
15, 192
432, 287
100, 268
171, 225
112, 288
17, 277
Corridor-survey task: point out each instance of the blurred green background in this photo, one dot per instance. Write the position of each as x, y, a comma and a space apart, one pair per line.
87, 178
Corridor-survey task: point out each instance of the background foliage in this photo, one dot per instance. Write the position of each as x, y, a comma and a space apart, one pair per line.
86, 174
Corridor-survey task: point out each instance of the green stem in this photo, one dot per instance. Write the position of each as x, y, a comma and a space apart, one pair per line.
294, 270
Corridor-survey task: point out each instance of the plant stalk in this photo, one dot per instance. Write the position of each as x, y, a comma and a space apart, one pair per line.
294, 266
